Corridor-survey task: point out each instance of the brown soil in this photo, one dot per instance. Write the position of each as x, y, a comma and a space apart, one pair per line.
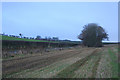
38, 61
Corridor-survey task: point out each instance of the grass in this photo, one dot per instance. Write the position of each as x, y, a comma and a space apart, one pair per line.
103, 64
32, 40
22, 39
86, 71
70, 70
114, 63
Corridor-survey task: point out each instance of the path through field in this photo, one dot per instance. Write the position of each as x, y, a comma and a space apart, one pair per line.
76, 62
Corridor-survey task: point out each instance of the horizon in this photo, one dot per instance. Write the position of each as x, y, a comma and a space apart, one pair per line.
64, 20
58, 39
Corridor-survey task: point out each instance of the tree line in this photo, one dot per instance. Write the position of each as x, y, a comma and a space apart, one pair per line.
36, 38
91, 36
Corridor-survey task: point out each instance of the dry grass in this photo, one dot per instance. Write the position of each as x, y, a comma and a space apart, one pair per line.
76, 62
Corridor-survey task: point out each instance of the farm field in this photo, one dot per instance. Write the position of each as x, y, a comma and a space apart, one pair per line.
33, 40
22, 39
73, 62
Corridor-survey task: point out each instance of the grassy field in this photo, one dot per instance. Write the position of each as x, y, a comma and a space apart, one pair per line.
22, 39
76, 62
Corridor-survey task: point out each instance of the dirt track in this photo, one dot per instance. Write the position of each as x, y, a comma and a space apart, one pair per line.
38, 61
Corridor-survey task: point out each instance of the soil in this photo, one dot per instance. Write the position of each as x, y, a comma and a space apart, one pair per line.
67, 61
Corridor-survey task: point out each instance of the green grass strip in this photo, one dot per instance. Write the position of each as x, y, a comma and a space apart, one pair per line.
114, 63
22, 39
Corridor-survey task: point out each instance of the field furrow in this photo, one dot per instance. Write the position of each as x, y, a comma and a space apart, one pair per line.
76, 62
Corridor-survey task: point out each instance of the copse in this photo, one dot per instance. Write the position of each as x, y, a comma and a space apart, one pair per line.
92, 35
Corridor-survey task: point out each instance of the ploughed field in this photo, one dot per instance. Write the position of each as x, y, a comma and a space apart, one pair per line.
73, 62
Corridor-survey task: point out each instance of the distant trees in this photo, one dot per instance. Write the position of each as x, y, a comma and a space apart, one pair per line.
20, 35
38, 37
55, 38
52, 39
92, 35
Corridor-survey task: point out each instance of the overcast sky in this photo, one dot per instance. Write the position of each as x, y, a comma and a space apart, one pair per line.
58, 19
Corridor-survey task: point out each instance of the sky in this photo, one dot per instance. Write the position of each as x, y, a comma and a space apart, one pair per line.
58, 19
